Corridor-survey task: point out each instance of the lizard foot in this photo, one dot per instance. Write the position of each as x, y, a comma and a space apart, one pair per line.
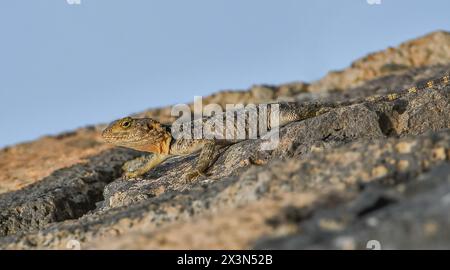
192, 175
128, 175
138, 167
131, 169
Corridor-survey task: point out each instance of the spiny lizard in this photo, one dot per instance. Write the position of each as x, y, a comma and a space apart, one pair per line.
148, 135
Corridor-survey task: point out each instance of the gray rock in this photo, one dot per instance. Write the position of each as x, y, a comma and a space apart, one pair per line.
66, 194
385, 162
416, 218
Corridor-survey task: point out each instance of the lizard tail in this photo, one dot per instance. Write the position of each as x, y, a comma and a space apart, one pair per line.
293, 111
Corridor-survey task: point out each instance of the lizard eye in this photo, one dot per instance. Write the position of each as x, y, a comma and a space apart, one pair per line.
126, 124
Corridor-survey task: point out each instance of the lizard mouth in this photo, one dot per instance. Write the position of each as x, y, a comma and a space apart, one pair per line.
122, 139
116, 138
109, 136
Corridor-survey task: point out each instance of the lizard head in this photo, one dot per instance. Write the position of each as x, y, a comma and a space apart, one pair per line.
143, 134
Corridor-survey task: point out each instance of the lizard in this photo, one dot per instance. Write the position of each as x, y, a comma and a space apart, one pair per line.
149, 135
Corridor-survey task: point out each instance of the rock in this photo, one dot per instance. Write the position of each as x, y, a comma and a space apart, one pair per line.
370, 171
65, 194
417, 217
430, 49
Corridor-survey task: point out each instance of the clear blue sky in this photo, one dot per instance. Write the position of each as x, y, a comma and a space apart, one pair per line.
64, 66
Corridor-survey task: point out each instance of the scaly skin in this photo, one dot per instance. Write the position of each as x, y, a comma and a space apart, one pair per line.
148, 135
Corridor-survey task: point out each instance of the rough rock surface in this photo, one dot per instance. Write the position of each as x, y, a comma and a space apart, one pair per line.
370, 171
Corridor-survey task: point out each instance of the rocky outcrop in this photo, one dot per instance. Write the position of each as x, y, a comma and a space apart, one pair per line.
431, 49
369, 171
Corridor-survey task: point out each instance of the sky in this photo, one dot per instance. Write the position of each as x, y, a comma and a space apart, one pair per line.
64, 66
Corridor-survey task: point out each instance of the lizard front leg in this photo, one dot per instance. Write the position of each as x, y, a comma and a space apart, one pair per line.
206, 156
139, 166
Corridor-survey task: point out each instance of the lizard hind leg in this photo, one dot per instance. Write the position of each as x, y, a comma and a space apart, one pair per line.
204, 160
141, 165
